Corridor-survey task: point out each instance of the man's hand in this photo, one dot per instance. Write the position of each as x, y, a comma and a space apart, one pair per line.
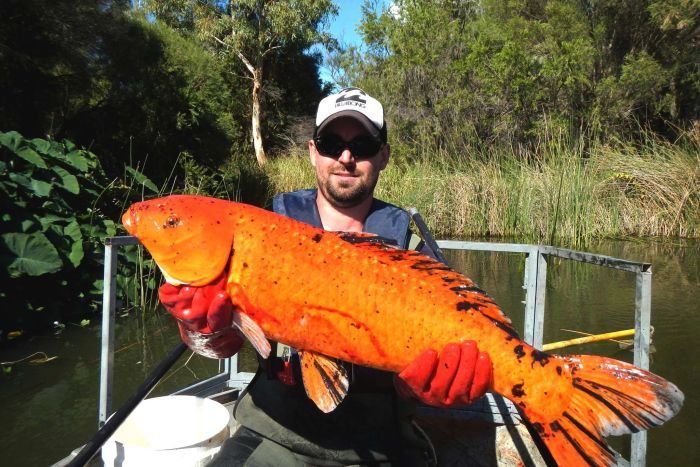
204, 316
458, 376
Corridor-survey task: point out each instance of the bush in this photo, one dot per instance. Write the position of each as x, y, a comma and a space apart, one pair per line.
57, 208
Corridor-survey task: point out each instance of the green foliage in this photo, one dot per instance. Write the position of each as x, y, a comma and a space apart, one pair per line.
456, 74
141, 83
135, 92
57, 207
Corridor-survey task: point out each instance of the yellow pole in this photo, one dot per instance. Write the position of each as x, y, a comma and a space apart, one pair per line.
587, 339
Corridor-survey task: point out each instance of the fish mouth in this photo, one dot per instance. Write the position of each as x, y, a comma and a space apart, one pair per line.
168, 278
129, 223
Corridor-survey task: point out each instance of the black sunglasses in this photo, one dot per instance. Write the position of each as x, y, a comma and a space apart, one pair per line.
361, 147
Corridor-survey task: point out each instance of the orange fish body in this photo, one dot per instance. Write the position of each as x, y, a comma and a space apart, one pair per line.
358, 300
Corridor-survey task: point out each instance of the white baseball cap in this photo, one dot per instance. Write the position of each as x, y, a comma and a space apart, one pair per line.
352, 103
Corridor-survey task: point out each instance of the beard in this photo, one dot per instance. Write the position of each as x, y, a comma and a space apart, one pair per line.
345, 195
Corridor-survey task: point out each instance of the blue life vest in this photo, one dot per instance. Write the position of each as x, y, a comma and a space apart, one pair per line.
384, 219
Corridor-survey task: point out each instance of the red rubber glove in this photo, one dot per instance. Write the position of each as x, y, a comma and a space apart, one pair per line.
459, 376
204, 316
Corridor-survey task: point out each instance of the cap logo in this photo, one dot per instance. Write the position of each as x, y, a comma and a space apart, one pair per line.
348, 98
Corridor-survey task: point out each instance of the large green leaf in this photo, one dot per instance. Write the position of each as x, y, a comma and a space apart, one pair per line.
68, 180
41, 188
30, 254
11, 140
29, 155
20, 179
49, 219
40, 145
76, 252
77, 160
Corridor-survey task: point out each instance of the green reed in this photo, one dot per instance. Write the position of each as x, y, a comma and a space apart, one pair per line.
559, 192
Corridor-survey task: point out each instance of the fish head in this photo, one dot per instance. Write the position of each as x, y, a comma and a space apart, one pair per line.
189, 237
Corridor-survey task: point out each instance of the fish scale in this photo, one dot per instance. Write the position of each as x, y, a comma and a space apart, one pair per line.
351, 297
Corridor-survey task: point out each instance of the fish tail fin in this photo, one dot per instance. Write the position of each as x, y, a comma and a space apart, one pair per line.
609, 397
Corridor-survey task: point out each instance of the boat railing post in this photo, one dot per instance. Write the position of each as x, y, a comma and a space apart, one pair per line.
108, 312
642, 338
232, 367
540, 292
531, 261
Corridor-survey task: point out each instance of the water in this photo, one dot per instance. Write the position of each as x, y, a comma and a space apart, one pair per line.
51, 408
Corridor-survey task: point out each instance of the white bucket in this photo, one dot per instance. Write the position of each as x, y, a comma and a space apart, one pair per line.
170, 430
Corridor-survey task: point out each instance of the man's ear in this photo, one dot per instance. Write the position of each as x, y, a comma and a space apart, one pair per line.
312, 152
386, 153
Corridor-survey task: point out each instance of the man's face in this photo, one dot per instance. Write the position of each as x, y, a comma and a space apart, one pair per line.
345, 181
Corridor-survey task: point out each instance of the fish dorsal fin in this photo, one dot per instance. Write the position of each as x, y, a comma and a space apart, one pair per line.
252, 332
468, 295
368, 239
325, 379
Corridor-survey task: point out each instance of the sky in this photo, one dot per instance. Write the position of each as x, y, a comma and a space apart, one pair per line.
343, 27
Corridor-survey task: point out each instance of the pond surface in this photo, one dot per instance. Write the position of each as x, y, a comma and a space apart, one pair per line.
51, 408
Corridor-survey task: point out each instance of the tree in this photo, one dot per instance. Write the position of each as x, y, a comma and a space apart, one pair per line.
255, 32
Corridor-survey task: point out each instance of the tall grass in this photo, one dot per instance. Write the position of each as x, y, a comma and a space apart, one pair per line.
559, 193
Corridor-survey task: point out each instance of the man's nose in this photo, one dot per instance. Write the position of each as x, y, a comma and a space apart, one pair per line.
346, 157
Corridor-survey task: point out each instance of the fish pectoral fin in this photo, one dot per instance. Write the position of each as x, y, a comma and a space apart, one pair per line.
325, 379
252, 332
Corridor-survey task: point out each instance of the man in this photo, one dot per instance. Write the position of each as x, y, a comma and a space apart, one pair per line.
280, 424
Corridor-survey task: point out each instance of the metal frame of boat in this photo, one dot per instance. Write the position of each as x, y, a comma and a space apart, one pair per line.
492, 408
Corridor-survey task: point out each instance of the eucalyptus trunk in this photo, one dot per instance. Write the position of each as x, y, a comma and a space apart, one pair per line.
257, 133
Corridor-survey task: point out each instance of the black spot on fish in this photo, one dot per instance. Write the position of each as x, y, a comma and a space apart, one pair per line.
538, 428
429, 265
555, 426
448, 280
466, 306
397, 257
471, 288
559, 370
245, 265
522, 404
517, 390
317, 238
512, 333
519, 352
539, 357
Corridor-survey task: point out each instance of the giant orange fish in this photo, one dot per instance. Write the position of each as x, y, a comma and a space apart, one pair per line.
349, 297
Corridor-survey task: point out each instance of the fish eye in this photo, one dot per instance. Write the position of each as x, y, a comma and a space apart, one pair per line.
172, 221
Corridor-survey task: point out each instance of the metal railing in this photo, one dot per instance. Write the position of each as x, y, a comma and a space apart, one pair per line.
534, 283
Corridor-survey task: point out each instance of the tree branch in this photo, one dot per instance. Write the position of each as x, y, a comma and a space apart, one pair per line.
271, 49
245, 61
